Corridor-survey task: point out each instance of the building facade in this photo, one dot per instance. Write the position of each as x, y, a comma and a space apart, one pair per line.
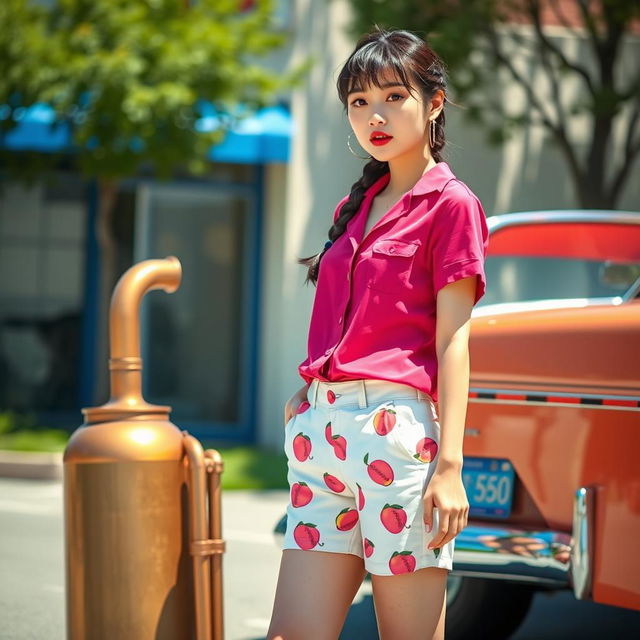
223, 350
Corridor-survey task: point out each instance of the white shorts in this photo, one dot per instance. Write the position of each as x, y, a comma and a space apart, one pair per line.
360, 455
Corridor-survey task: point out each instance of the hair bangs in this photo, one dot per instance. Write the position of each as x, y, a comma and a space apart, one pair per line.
369, 66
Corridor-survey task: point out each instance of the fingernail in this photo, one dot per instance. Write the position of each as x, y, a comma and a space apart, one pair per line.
428, 528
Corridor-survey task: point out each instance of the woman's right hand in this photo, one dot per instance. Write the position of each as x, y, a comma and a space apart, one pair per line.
293, 403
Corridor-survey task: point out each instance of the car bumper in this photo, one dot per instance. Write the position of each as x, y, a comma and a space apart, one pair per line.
502, 552
544, 558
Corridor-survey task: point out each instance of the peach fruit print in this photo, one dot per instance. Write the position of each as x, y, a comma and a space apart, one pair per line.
368, 547
394, 518
307, 536
360, 498
302, 447
301, 494
379, 471
426, 450
333, 483
303, 406
346, 519
402, 562
338, 443
384, 421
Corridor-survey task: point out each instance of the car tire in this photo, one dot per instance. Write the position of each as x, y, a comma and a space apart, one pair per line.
479, 609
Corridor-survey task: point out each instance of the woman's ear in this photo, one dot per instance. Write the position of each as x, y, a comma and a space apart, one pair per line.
437, 103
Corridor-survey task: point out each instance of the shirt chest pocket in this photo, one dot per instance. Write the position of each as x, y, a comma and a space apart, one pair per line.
390, 265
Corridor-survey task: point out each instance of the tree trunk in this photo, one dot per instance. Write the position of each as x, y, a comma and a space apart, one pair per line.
108, 260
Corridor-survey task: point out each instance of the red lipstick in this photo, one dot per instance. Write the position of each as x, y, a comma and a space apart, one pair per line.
379, 138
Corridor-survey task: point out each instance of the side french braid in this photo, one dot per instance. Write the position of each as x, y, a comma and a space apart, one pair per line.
371, 171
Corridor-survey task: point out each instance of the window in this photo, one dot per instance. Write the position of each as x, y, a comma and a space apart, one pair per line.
42, 244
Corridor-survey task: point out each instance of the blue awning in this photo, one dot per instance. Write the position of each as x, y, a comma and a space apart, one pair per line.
261, 138
35, 130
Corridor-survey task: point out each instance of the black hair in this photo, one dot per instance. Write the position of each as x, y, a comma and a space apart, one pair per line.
413, 61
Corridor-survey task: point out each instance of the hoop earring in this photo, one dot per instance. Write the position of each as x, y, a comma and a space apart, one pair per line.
352, 151
432, 133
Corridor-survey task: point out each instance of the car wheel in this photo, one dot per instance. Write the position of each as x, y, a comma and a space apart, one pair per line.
491, 609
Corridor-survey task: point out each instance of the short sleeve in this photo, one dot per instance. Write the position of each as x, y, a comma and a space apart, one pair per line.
459, 242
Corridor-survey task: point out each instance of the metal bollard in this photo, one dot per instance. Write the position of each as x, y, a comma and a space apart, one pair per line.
143, 543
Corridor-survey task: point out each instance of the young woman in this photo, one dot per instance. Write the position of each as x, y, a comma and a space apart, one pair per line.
374, 467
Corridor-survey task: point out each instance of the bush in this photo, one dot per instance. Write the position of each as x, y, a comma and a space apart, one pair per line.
21, 432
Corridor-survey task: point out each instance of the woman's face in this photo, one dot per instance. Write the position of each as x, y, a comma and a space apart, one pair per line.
389, 110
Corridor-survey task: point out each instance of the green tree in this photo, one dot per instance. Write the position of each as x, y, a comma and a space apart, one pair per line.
129, 77
478, 39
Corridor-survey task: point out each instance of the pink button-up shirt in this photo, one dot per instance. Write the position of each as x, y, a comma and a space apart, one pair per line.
374, 312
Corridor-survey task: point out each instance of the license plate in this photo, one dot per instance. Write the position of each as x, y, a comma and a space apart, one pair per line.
489, 486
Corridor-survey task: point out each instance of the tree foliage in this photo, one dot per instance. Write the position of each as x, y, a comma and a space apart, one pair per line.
131, 76
130, 79
489, 45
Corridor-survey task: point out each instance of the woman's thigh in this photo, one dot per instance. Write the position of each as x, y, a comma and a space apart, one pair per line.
314, 592
411, 606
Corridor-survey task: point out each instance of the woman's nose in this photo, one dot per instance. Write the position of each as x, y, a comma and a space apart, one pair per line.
376, 119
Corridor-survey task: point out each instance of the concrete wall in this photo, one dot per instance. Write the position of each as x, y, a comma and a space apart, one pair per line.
321, 170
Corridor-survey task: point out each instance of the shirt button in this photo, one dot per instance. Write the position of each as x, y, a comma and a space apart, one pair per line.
328, 352
339, 320
391, 249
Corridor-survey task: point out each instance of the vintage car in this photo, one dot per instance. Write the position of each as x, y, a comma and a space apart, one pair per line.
552, 434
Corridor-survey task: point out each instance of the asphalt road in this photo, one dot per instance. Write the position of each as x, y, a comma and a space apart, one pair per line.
32, 575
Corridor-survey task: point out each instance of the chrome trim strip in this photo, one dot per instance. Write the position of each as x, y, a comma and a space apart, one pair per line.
548, 392
501, 308
544, 403
582, 559
500, 220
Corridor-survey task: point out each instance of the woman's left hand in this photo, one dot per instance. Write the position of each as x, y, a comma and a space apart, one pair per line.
445, 491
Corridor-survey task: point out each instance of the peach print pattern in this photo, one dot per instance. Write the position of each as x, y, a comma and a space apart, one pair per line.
357, 478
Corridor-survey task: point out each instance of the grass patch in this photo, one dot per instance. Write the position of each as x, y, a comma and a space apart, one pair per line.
250, 467
20, 432
41, 440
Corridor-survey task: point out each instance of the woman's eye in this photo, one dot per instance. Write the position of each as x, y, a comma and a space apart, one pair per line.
399, 96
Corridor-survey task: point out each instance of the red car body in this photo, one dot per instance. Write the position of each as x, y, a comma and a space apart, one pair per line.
555, 396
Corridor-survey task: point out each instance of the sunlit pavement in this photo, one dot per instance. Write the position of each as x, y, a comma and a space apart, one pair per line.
32, 575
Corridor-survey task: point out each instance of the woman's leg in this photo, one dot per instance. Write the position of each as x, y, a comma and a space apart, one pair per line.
411, 606
315, 590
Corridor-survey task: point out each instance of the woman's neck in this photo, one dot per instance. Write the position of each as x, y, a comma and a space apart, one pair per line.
405, 173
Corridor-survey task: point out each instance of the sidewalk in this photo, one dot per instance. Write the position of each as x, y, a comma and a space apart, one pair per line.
30, 465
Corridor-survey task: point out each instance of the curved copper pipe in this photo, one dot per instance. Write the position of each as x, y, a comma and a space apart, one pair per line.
125, 362
125, 302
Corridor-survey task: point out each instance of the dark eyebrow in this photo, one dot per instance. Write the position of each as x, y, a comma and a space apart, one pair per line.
386, 85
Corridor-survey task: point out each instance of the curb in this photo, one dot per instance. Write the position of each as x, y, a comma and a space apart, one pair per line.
33, 465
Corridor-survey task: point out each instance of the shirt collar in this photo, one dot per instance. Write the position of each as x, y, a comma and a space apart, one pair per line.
433, 180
